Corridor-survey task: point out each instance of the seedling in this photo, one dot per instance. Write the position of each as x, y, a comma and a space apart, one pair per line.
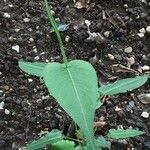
74, 86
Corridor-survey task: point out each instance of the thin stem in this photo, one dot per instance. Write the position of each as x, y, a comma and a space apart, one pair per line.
54, 25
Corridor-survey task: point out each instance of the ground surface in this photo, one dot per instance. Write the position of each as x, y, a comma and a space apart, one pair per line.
27, 107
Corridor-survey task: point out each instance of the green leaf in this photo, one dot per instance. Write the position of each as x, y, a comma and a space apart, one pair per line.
63, 145
76, 90
122, 86
35, 68
49, 138
101, 142
121, 133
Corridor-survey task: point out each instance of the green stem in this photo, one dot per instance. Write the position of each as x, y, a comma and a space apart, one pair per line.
54, 25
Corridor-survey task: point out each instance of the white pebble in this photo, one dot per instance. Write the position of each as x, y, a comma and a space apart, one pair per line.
0, 73
30, 80
128, 49
111, 57
36, 57
87, 22
16, 48
145, 114
6, 15
125, 5
107, 33
117, 109
26, 19
148, 29
10, 5
130, 61
140, 35
67, 38
142, 30
17, 30
35, 50
145, 68
2, 105
7, 112
31, 40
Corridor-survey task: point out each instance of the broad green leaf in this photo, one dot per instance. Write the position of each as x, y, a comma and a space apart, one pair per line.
63, 145
122, 86
35, 68
101, 142
79, 148
76, 90
49, 138
121, 133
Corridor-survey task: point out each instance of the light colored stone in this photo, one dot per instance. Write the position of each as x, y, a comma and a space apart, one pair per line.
6, 15
10, 5
7, 112
2, 105
26, 19
36, 57
111, 57
142, 30
148, 29
30, 80
145, 114
145, 68
67, 38
88, 23
17, 30
128, 49
16, 48
31, 40
141, 35
107, 33
130, 61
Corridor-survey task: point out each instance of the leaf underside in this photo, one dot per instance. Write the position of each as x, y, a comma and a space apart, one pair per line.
121, 133
76, 90
122, 86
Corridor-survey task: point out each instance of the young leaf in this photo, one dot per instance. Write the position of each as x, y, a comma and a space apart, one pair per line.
35, 68
49, 138
75, 88
122, 86
121, 133
101, 142
63, 145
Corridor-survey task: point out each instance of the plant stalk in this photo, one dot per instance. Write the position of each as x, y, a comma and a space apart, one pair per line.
54, 25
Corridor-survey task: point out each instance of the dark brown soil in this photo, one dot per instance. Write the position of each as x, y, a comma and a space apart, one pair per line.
31, 108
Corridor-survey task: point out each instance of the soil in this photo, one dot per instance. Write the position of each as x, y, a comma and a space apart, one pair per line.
28, 108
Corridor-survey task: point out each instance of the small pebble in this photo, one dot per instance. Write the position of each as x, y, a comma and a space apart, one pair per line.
88, 23
6, 15
36, 57
111, 57
145, 114
7, 112
26, 19
31, 40
67, 38
35, 50
30, 80
117, 109
130, 61
125, 5
128, 49
107, 33
142, 30
140, 35
148, 29
10, 5
17, 30
2, 105
16, 48
145, 68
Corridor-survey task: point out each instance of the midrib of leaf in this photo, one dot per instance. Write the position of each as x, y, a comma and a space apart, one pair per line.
116, 87
80, 104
